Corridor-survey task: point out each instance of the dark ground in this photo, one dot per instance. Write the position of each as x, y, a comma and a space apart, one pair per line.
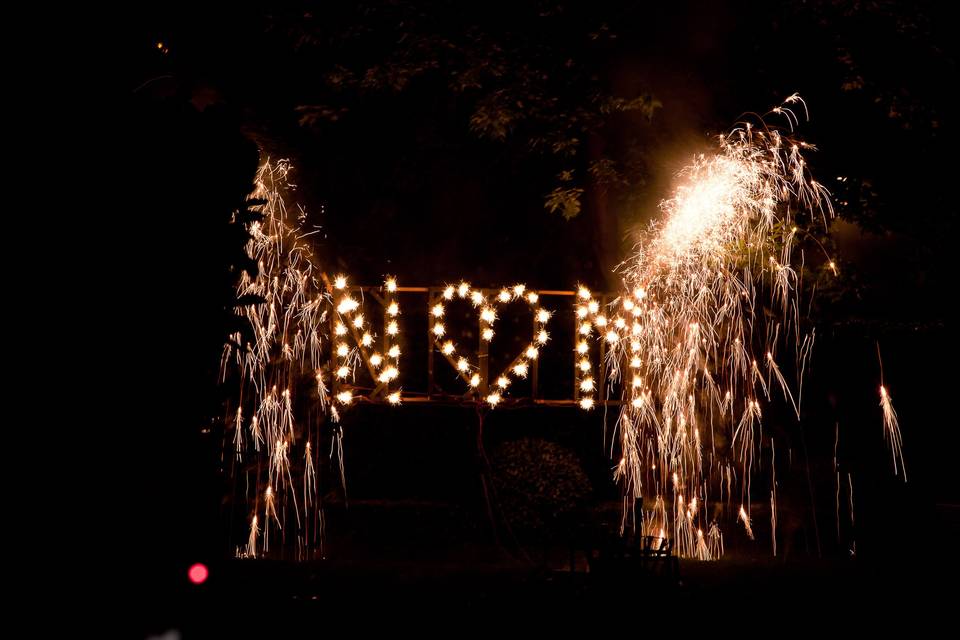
398, 565
734, 595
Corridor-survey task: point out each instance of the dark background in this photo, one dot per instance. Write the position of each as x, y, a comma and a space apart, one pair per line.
400, 184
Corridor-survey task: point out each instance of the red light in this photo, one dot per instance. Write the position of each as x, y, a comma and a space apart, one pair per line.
198, 573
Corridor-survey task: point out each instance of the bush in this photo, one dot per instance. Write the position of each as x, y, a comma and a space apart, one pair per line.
539, 483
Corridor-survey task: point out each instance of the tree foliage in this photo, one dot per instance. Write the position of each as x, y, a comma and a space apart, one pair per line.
534, 82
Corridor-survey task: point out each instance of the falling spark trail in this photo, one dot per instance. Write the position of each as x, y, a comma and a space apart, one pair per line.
891, 432
716, 541
309, 478
703, 552
746, 522
238, 434
252, 538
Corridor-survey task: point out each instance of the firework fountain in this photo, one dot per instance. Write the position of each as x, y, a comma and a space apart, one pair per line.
288, 331
710, 308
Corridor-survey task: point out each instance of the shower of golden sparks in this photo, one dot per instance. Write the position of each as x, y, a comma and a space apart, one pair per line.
288, 331
686, 339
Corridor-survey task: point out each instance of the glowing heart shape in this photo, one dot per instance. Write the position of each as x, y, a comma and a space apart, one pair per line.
470, 371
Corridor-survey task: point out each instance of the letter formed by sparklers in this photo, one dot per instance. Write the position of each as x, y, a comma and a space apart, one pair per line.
350, 325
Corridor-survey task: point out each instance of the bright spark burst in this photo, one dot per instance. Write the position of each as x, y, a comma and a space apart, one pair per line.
692, 289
